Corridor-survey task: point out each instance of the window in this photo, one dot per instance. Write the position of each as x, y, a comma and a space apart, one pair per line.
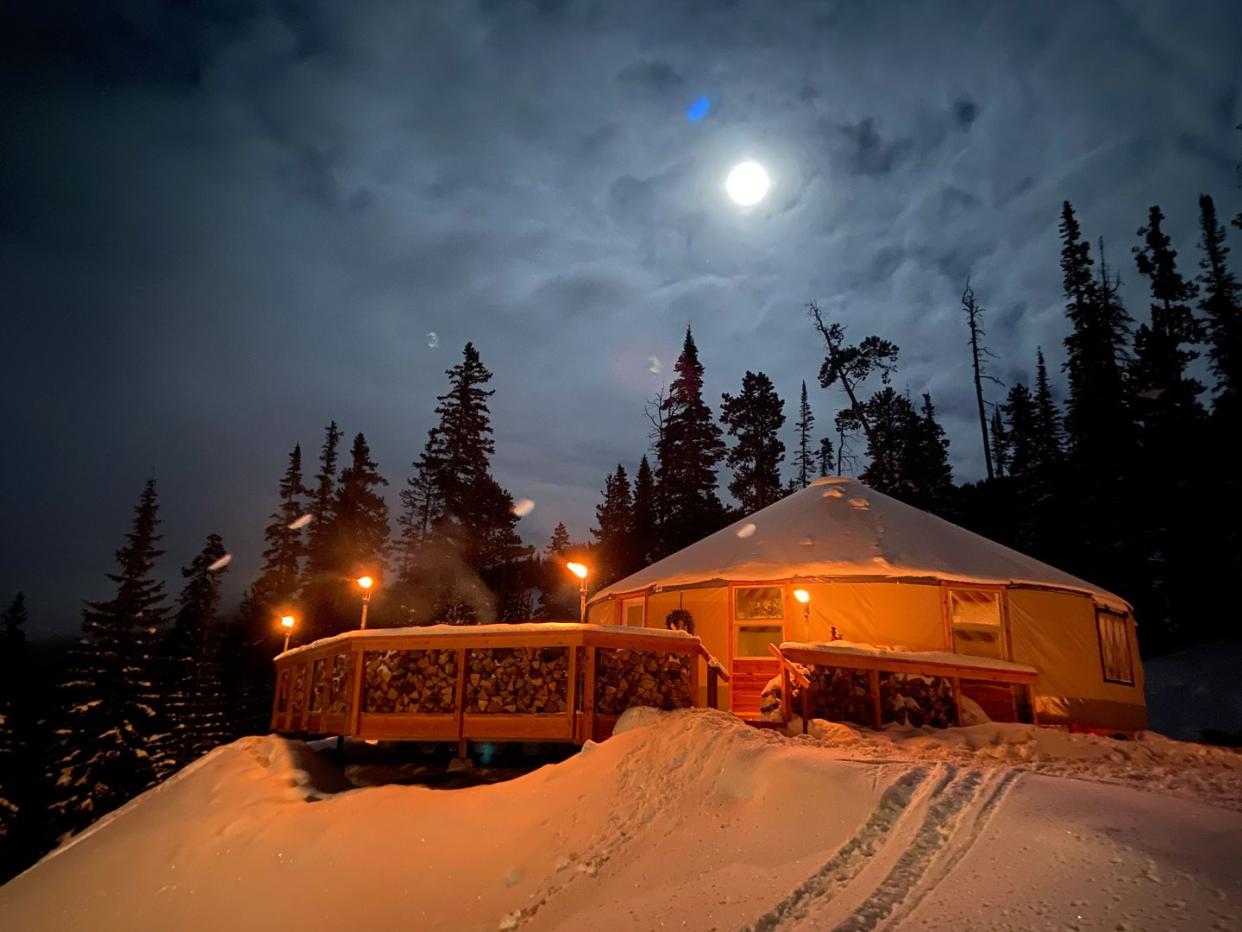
1115, 647
758, 611
632, 613
975, 617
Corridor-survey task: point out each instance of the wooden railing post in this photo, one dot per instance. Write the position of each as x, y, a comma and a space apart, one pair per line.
713, 675
355, 693
588, 693
459, 703
876, 711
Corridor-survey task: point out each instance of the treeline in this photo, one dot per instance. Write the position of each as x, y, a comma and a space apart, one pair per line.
1128, 484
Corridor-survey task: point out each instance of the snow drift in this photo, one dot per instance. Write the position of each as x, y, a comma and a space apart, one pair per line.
687, 820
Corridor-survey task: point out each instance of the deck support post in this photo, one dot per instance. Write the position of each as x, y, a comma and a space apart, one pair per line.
877, 713
713, 688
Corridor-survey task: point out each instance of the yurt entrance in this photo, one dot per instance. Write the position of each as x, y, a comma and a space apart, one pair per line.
756, 619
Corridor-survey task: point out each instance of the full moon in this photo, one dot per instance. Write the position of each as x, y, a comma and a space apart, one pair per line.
747, 184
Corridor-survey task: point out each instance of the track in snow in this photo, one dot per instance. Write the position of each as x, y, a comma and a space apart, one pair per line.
879, 882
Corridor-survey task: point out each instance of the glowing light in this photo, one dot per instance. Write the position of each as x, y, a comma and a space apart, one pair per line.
523, 506
433, 339
298, 523
802, 596
577, 569
654, 365
220, 564
747, 184
745, 531
699, 109
287, 622
366, 582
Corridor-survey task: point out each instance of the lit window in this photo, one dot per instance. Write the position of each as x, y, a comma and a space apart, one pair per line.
975, 616
758, 611
1115, 647
633, 613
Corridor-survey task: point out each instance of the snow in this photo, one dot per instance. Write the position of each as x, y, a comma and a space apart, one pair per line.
838, 528
1196, 690
859, 649
682, 820
531, 627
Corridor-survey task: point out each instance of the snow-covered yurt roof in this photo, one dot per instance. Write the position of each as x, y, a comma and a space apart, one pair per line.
838, 527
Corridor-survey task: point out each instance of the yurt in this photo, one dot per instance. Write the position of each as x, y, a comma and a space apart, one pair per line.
870, 570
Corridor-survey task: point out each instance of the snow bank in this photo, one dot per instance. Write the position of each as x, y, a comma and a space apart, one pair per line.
683, 820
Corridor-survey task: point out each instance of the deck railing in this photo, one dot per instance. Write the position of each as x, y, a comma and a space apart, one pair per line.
533, 682
876, 689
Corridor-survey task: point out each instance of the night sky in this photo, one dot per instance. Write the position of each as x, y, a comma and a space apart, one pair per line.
223, 224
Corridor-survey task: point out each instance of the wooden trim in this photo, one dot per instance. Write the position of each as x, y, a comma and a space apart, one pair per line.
355, 700
1099, 640
588, 692
571, 688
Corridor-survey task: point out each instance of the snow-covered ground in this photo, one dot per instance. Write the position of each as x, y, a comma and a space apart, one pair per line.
1196, 690
689, 820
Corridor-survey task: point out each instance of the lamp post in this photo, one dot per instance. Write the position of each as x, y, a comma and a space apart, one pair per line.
580, 570
287, 622
366, 583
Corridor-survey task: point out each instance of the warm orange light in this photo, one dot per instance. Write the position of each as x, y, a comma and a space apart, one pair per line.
366, 582
802, 596
287, 621
578, 569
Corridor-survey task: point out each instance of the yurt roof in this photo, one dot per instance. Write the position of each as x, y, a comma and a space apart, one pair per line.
838, 527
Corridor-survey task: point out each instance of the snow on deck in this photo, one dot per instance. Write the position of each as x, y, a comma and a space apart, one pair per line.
859, 649
530, 627
688, 820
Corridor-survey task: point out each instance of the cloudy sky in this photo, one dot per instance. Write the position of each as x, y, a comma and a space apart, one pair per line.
223, 224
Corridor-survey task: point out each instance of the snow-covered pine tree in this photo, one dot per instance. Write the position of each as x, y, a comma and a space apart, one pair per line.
102, 758
646, 526
689, 449
804, 458
193, 710
615, 532
1221, 304
755, 417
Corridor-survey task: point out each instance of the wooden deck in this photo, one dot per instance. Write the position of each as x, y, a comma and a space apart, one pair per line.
536, 682
872, 688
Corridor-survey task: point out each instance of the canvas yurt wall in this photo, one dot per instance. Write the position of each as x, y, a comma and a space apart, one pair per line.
881, 572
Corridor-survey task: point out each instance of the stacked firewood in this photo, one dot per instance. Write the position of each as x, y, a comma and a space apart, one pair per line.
282, 692
319, 677
517, 679
839, 694
410, 680
338, 697
914, 699
627, 678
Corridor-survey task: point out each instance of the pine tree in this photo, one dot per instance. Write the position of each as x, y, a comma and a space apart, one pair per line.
974, 321
1021, 430
559, 543
1049, 437
193, 713
361, 514
1222, 307
928, 454
755, 417
804, 459
826, 463
102, 758
1000, 443
282, 557
909, 452
1097, 417
614, 534
646, 527
689, 449
321, 572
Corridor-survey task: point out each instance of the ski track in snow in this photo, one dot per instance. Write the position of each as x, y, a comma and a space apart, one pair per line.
949, 798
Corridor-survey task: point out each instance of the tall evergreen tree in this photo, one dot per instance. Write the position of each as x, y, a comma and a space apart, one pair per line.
1021, 430
689, 449
646, 527
193, 710
927, 451
282, 555
909, 455
559, 543
321, 547
1000, 443
1222, 307
615, 532
16, 811
361, 514
1049, 442
804, 459
102, 758
755, 417
1097, 416
826, 463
